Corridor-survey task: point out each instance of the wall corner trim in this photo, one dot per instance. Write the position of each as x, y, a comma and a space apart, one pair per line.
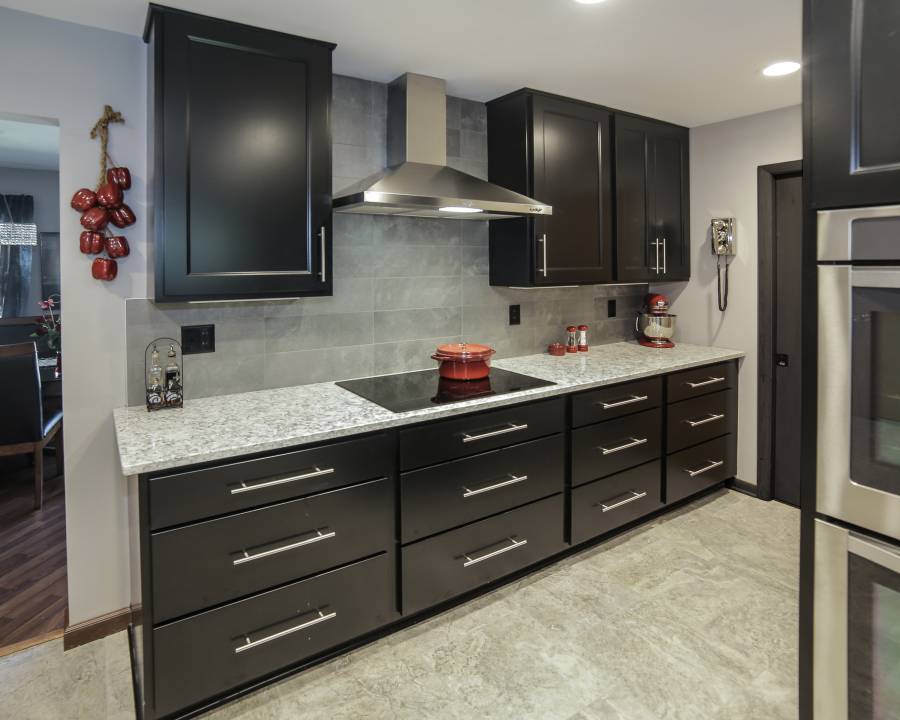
96, 628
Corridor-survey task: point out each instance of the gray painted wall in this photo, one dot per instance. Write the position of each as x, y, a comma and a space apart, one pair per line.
401, 285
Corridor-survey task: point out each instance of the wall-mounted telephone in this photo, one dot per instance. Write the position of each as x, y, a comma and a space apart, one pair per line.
723, 235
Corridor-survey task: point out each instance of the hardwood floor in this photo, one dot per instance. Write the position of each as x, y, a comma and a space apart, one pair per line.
33, 596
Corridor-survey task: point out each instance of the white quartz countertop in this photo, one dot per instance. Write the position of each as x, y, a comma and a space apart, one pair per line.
228, 426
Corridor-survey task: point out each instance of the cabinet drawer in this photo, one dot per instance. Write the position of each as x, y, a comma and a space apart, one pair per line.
606, 504
606, 448
458, 492
470, 434
695, 421
447, 565
197, 566
196, 494
210, 653
700, 381
611, 402
700, 467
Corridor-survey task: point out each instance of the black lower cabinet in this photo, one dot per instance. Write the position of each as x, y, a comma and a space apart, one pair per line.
450, 564
698, 468
222, 649
606, 504
257, 566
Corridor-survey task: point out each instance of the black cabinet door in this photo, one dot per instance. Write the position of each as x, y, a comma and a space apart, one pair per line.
652, 200
636, 246
853, 97
670, 180
572, 173
242, 148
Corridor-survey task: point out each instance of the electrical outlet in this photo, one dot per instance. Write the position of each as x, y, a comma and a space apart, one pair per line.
198, 339
515, 314
610, 308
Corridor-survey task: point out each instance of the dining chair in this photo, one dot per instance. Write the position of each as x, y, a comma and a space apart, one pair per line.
23, 426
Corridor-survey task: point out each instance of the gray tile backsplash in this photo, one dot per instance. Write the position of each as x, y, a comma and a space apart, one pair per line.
401, 285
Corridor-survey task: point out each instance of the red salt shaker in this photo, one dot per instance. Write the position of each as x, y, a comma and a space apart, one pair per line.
582, 338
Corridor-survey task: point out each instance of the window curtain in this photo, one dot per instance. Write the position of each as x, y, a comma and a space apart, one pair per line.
15, 260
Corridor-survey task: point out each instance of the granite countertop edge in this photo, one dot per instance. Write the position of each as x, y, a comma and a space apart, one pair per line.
168, 439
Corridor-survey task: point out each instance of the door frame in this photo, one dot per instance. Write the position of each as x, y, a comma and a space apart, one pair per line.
765, 437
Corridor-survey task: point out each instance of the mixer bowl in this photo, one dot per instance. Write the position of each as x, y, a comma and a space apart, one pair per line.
659, 328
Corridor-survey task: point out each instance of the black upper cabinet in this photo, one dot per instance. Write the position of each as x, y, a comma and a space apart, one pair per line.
652, 201
557, 151
852, 51
241, 150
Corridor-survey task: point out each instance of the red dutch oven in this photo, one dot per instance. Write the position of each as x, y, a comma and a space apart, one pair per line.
464, 361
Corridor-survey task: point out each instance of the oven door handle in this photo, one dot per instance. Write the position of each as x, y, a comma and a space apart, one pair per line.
874, 551
875, 277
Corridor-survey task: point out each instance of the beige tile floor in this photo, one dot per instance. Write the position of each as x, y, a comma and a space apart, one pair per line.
693, 616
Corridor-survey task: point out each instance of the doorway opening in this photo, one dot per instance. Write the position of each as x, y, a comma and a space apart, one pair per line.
780, 208
33, 583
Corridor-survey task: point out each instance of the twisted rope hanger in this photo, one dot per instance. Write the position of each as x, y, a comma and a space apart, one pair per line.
101, 130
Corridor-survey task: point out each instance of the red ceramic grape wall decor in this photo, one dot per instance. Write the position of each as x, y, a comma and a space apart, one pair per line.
103, 205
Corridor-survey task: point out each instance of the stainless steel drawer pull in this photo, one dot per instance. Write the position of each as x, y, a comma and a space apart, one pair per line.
711, 418
619, 448
487, 556
317, 472
620, 403
710, 381
250, 644
318, 537
466, 438
634, 496
713, 464
513, 479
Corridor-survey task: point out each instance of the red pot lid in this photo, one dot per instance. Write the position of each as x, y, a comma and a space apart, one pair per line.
464, 351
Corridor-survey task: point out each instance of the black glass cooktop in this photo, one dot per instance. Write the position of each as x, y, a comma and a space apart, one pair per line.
426, 388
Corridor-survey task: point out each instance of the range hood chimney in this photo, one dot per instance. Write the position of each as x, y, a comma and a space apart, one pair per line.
417, 181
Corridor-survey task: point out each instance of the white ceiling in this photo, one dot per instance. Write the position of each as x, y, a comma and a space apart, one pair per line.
688, 61
29, 145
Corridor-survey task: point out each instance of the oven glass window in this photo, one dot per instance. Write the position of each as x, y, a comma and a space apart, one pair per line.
873, 641
875, 424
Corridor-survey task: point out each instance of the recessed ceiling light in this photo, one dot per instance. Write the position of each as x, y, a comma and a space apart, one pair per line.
589, 2
785, 67
459, 209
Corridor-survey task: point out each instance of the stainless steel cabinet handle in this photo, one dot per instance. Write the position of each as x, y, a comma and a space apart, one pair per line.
513, 479
281, 481
710, 381
712, 418
466, 438
619, 448
664, 256
543, 241
487, 556
250, 644
656, 245
634, 496
620, 403
713, 464
318, 537
322, 242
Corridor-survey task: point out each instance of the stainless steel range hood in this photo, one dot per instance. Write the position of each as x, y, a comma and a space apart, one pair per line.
417, 181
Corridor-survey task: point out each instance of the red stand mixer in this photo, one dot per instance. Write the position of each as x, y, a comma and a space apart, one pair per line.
654, 324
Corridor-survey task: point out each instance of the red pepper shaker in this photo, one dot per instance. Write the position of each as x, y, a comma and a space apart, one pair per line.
582, 338
571, 339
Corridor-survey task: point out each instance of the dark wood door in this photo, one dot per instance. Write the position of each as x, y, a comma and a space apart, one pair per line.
243, 160
572, 172
670, 179
853, 99
652, 200
635, 242
788, 226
